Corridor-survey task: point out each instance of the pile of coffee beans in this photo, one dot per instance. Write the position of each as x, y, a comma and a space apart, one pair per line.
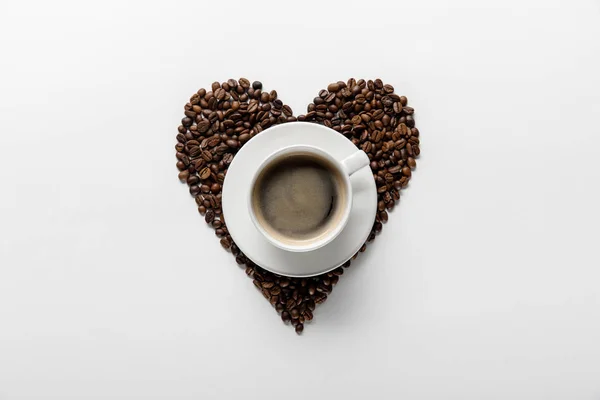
219, 121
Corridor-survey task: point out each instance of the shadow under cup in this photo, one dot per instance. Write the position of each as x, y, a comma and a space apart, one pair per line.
299, 200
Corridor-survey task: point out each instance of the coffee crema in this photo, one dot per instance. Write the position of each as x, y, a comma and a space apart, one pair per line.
298, 198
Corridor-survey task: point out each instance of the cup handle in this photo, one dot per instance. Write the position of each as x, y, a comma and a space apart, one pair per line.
355, 162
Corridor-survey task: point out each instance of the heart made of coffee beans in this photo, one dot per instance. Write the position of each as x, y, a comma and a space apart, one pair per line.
218, 122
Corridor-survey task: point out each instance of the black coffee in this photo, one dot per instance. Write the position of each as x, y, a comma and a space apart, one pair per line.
297, 197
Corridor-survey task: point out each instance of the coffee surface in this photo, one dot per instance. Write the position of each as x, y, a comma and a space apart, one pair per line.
297, 197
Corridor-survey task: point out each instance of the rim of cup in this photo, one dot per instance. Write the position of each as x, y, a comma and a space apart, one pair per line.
329, 236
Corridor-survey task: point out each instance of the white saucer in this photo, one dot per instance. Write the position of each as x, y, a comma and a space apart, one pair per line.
250, 240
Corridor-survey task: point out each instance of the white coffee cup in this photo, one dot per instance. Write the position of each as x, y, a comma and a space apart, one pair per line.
343, 169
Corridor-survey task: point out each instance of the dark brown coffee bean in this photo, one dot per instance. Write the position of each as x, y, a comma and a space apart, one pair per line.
205, 173
320, 298
333, 87
256, 85
203, 126
377, 136
194, 152
299, 328
213, 141
406, 171
285, 316
206, 155
193, 180
291, 303
194, 190
411, 162
287, 111
330, 97
220, 94
209, 217
377, 227
183, 175
383, 215
245, 83
264, 97
397, 107
268, 285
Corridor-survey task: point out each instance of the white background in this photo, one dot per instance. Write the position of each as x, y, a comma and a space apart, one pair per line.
485, 284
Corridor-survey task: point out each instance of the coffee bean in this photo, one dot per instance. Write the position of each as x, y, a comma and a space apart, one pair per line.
203, 126
205, 173
234, 144
244, 83
213, 141
194, 152
299, 328
383, 215
210, 216
397, 107
256, 85
193, 180
206, 155
183, 175
194, 190
411, 162
333, 87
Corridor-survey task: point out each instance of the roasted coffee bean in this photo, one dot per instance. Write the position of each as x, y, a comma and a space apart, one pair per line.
213, 141
205, 173
383, 215
234, 144
183, 175
203, 126
333, 87
244, 83
194, 190
287, 110
206, 155
210, 216
193, 180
